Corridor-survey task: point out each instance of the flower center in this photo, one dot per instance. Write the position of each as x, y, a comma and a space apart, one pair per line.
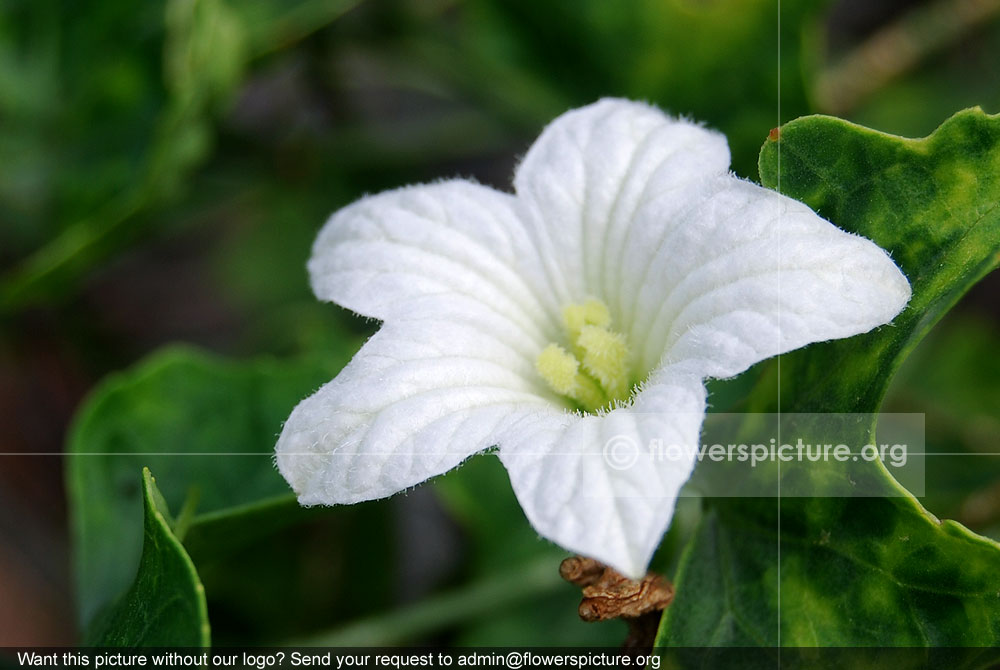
593, 373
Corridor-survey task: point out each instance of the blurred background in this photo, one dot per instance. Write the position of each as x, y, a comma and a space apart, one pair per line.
165, 166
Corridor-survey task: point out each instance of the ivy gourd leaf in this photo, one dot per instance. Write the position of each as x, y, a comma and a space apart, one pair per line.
932, 203
166, 604
878, 571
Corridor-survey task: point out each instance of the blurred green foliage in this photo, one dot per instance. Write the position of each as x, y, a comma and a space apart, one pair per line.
952, 380
117, 105
221, 133
177, 403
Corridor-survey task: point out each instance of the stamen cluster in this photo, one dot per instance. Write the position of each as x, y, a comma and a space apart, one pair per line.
593, 373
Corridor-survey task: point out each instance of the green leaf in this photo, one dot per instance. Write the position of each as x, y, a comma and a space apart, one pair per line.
854, 572
165, 606
208, 427
932, 203
859, 571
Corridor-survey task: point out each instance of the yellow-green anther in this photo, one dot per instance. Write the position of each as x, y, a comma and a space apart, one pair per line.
561, 371
593, 312
558, 368
594, 371
605, 357
589, 394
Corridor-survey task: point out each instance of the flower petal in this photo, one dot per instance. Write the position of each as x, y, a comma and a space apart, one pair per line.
425, 392
587, 174
454, 239
747, 274
606, 486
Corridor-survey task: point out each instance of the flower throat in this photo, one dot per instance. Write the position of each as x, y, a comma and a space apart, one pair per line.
593, 374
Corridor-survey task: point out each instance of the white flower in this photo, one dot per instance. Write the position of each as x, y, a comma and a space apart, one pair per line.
581, 313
